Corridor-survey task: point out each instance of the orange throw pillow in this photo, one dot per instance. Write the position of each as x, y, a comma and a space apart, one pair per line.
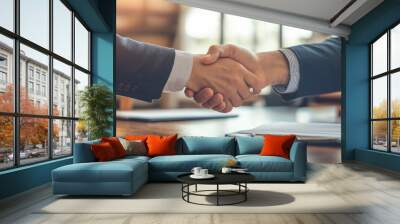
116, 145
161, 145
277, 145
103, 152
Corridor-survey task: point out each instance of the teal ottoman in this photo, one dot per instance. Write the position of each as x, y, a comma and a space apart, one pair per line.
119, 177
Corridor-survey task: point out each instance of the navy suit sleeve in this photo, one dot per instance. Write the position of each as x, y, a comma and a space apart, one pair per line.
320, 68
142, 69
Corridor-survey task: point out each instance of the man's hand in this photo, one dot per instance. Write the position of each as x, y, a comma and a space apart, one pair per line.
270, 68
227, 77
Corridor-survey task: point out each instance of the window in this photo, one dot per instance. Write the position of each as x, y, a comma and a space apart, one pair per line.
81, 45
37, 89
40, 129
7, 14
44, 91
385, 94
30, 72
34, 21
30, 87
3, 61
202, 28
3, 78
6, 73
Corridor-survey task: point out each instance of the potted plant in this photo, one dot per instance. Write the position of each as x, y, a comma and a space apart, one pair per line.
96, 104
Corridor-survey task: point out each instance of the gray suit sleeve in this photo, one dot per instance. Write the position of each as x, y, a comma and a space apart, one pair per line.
142, 69
320, 68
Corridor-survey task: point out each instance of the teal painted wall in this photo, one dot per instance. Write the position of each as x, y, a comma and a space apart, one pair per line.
24, 178
103, 53
99, 15
103, 64
356, 87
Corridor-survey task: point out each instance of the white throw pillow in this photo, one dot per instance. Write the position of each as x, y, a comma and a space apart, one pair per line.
134, 147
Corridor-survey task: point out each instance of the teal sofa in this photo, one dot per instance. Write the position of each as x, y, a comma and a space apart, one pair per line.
125, 176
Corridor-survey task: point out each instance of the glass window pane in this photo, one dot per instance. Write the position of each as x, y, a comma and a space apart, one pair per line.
62, 29
62, 138
81, 81
395, 47
6, 142
267, 36
201, 29
81, 131
243, 36
395, 135
379, 135
34, 96
62, 89
379, 97
35, 21
6, 74
7, 14
379, 56
395, 94
81, 45
33, 140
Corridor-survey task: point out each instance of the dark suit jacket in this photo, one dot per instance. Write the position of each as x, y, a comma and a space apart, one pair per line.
320, 68
142, 69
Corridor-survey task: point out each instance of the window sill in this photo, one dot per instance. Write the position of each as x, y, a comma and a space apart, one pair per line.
26, 167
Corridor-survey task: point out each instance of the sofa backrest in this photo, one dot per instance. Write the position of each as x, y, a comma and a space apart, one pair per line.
194, 145
83, 153
249, 144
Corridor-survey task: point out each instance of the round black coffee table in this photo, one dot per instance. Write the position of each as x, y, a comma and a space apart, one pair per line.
238, 179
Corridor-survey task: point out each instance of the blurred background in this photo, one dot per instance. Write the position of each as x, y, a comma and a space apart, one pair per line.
194, 30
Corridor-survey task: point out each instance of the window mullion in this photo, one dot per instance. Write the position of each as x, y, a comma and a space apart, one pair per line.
50, 81
73, 82
389, 101
16, 84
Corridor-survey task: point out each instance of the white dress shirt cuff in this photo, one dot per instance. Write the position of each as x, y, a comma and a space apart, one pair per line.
180, 73
294, 73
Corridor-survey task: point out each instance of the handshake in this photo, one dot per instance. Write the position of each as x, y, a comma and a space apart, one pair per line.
228, 75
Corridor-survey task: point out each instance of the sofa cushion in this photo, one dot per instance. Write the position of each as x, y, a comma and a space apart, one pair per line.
134, 147
103, 152
116, 145
185, 163
277, 145
193, 145
112, 171
257, 163
249, 145
161, 145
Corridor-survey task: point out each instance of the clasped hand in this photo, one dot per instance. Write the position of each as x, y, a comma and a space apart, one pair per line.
228, 75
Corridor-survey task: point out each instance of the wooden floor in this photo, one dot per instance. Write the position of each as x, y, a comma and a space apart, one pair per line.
378, 189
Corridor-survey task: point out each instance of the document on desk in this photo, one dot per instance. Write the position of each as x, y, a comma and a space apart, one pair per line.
310, 130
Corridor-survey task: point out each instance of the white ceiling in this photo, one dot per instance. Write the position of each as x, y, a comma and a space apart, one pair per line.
321, 9
313, 15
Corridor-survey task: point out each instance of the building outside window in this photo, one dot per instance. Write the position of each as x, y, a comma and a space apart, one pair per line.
384, 92
50, 135
3, 72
